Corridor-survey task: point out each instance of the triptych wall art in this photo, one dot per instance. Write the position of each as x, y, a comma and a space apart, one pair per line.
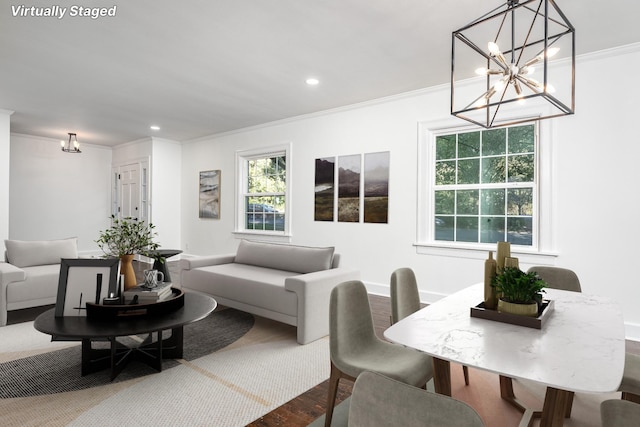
360, 197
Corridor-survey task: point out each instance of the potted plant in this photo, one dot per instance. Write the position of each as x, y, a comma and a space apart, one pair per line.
520, 292
125, 238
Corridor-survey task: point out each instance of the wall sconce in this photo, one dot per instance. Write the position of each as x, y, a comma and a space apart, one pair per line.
510, 48
72, 146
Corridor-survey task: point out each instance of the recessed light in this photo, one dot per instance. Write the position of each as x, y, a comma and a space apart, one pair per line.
312, 81
154, 127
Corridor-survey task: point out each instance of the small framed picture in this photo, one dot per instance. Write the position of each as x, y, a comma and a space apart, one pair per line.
83, 280
209, 194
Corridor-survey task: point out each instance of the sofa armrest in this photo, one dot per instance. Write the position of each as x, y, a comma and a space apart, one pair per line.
203, 261
314, 292
8, 274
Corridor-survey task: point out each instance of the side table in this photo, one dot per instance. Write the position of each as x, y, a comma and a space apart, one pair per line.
160, 261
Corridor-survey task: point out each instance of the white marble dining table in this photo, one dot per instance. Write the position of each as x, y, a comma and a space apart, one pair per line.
580, 347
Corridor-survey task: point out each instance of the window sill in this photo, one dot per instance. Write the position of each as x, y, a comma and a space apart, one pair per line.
525, 255
267, 236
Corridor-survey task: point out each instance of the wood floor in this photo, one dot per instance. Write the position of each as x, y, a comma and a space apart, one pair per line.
310, 405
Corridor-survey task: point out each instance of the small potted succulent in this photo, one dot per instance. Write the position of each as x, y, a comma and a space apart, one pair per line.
519, 292
125, 238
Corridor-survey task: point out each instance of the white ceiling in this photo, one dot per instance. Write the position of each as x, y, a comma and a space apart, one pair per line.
200, 67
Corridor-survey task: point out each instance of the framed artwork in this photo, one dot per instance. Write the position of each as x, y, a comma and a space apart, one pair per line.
376, 187
324, 190
209, 194
349, 170
83, 280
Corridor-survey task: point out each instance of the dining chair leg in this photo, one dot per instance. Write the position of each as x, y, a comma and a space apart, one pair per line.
630, 397
567, 409
334, 379
465, 371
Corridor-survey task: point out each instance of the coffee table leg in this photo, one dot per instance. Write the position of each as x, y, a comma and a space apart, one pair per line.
442, 376
173, 346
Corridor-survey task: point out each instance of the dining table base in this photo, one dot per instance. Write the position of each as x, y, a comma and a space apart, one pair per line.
557, 403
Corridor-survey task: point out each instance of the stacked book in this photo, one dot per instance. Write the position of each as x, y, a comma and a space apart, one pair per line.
148, 295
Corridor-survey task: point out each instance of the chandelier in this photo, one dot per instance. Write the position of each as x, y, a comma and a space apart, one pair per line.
71, 146
511, 47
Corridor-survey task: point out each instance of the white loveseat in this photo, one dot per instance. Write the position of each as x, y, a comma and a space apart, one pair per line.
287, 283
29, 277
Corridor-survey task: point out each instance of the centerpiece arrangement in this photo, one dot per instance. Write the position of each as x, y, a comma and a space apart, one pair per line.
520, 292
510, 294
124, 239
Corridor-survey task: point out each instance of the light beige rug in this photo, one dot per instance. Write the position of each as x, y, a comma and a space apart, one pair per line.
230, 387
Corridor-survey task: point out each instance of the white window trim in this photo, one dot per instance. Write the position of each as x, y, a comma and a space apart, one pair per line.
241, 184
542, 252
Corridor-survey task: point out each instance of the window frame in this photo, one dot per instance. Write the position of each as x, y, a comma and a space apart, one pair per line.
242, 172
542, 248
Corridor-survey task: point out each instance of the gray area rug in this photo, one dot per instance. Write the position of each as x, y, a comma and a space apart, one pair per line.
59, 371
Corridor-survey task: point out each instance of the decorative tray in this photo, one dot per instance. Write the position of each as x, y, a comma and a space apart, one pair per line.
111, 311
530, 322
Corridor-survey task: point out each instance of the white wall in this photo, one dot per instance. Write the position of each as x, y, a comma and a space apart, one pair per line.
166, 167
55, 195
5, 153
594, 171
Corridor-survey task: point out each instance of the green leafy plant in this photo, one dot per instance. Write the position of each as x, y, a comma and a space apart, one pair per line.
128, 236
516, 286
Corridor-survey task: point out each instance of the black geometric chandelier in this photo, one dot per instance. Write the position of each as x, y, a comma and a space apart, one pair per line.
511, 48
72, 146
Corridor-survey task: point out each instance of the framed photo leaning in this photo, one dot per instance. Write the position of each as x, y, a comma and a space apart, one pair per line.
83, 280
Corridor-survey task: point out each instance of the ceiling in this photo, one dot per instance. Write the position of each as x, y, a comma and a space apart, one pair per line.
202, 67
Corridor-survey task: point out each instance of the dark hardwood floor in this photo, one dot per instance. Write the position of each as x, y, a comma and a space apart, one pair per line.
310, 405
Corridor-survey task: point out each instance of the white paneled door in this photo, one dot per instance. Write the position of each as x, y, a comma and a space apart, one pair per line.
129, 191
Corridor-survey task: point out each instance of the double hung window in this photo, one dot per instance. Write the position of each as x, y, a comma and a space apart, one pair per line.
484, 186
263, 190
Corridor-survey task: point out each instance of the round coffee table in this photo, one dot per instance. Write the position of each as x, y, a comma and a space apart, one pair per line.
71, 328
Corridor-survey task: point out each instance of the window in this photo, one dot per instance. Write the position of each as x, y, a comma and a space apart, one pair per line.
263, 183
485, 186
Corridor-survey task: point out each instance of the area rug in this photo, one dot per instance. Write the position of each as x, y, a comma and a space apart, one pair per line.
229, 387
59, 370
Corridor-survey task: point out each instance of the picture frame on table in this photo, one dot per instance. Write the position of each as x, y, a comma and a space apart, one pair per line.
85, 279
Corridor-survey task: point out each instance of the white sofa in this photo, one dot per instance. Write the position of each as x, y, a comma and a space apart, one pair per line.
29, 277
287, 283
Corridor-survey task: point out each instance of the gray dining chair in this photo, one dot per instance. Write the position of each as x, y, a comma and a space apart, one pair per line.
619, 413
405, 300
355, 348
558, 278
630, 385
384, 402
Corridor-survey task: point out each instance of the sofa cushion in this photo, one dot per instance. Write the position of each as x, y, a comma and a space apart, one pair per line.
299, 259
257, 286
22, 253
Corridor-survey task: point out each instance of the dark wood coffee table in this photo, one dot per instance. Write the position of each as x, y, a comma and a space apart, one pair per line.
150, 351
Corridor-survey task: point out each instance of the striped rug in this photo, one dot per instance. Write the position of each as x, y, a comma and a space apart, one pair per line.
229, 387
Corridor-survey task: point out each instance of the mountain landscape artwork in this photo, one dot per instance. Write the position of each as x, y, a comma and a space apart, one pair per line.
376, 187
324, 193
349, 171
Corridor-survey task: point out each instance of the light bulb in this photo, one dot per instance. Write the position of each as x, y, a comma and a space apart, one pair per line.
62, 144
550, 88
493, 48
481, 71
552, 51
